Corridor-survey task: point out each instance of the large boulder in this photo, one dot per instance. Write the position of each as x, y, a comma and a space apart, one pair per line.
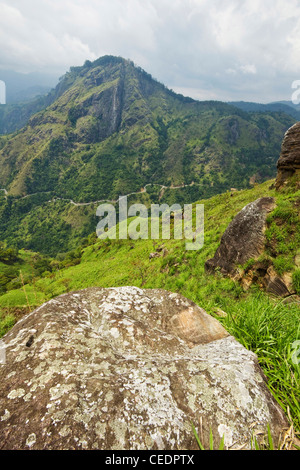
243, 239
288, 165
125, 368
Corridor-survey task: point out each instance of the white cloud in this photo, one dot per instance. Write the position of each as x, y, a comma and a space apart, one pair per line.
206, 47
248, 69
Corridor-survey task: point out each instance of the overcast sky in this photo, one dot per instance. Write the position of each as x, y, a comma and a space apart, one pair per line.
208, 49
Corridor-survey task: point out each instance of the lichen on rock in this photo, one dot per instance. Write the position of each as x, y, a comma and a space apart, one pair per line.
126, 368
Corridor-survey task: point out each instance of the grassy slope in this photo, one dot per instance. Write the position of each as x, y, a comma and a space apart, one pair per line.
265, 325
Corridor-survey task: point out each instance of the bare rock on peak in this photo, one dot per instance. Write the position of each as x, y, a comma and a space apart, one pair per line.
288, 165
125, 368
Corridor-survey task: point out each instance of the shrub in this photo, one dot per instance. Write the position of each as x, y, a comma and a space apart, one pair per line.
296, 281
6, 324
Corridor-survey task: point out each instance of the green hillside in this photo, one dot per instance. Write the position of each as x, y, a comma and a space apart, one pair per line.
109, 129
266, 325
120, 262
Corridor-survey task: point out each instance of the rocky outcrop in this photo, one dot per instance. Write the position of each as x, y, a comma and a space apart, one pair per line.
263, 274
125, 368
288, 165
243, 239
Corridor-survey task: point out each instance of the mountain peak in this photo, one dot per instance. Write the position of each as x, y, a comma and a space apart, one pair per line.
110, 129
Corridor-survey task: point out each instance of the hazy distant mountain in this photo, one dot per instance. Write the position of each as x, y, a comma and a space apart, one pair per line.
26, 94
286, 107
290, 103
22, 87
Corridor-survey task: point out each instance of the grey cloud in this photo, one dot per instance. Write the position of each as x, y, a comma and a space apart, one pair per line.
238, 49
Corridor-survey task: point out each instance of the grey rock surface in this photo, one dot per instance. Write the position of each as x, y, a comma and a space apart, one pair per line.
125, 368
288, 165
244, 237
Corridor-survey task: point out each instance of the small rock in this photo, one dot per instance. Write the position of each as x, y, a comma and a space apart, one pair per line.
154, 255
292, 299
219, 312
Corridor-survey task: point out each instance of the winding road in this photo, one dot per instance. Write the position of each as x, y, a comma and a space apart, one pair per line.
78, 204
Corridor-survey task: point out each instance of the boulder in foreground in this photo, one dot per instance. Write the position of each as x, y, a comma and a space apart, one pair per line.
125, 368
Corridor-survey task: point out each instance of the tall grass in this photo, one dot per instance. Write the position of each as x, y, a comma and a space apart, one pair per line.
270, 330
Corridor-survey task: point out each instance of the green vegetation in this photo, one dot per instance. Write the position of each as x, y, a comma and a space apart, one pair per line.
266, 444
283, 233
6, 323
263, 324
268, 329
296, 281
211, 441
7, 255
109, 129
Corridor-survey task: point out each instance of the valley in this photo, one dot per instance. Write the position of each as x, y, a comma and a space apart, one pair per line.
109, 129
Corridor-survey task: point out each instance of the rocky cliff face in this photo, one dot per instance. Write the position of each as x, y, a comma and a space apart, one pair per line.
122, 129
125, 368
289, 162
